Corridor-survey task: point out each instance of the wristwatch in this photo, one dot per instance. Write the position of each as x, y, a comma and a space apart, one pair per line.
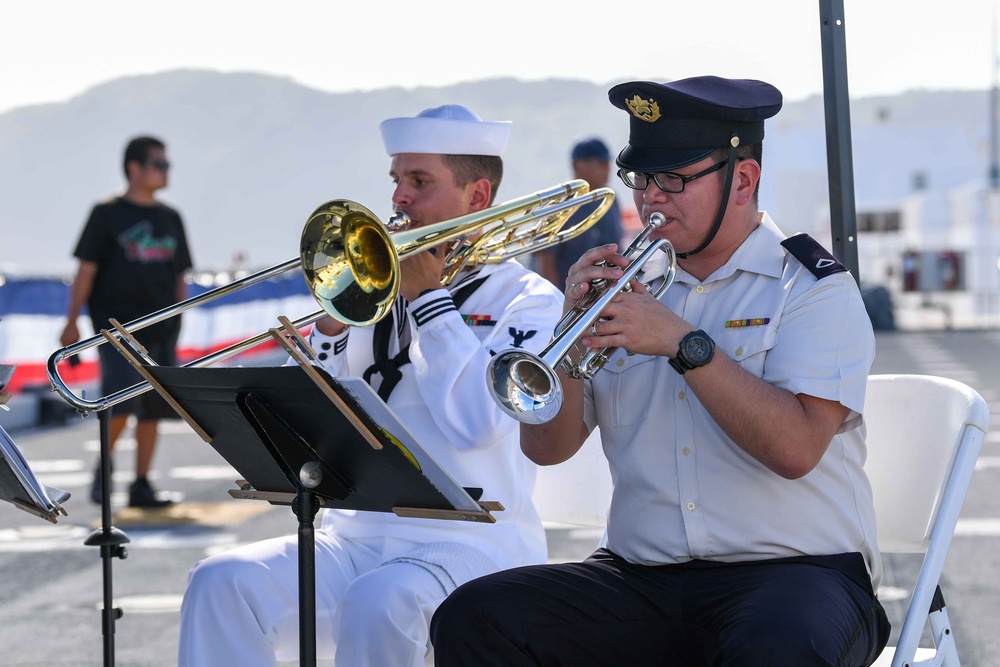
696, 350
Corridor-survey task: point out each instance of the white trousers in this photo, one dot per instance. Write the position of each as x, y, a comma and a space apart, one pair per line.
374, 601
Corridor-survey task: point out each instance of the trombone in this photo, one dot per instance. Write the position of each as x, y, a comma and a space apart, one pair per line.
525, 385
351, 265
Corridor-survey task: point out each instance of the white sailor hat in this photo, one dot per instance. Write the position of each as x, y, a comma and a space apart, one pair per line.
451, 129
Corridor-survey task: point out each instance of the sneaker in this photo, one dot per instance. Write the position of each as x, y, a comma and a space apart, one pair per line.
95, 487
141, 494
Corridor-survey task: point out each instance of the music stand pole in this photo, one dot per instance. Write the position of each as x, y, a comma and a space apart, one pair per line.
109, 539
305, 508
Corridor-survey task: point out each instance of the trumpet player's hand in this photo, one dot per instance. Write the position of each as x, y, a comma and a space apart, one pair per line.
330, 327
637, 322
588, 269
422, 272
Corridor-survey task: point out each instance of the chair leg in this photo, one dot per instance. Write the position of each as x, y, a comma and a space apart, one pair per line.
944, 640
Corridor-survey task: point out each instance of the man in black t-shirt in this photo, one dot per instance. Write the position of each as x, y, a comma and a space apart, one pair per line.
133, 254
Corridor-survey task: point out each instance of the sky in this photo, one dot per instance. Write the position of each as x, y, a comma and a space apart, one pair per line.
52, 51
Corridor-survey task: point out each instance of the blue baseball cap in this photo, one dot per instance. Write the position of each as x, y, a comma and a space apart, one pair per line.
591, 148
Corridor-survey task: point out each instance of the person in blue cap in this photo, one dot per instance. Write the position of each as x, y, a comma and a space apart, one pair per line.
592, 163
741, 529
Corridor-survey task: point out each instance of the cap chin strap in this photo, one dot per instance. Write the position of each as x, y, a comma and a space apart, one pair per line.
730, 169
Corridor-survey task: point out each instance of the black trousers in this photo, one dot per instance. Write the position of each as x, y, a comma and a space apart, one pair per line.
606, 611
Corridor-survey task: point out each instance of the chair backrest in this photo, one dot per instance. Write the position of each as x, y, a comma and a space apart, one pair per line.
924, 435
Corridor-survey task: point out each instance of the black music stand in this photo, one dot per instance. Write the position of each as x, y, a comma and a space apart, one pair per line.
301, 437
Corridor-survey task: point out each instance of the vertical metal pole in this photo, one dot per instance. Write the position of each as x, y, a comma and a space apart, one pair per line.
305, 508
108, 613
994, 173
839, 159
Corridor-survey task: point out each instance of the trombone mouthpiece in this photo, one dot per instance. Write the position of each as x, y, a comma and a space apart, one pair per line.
398, 222
657, 220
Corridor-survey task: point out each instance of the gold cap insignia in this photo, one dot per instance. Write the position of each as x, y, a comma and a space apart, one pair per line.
647, 110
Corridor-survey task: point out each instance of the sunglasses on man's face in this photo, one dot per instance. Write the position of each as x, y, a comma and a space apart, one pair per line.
162, 165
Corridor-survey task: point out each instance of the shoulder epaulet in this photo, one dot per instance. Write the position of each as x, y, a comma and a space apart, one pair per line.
813, 256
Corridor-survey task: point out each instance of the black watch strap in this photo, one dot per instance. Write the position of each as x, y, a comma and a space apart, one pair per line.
695, 350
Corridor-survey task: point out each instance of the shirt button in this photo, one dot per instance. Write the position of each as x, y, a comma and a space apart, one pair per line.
699, 289
681, 395
323, 356
690, 506
685, 452
739, 351
620, 363
325, 346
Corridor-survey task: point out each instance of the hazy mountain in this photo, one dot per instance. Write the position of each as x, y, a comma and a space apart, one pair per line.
253, 155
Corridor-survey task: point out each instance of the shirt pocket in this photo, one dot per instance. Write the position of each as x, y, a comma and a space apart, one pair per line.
630, 380
748, 346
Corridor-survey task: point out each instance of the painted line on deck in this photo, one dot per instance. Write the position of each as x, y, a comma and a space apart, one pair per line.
978, 528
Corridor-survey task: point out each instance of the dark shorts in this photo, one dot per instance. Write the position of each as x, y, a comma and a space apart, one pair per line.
117, 373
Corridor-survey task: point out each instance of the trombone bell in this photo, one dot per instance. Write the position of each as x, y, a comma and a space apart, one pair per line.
350, 263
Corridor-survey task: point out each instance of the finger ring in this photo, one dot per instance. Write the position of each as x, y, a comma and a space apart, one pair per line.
593, 329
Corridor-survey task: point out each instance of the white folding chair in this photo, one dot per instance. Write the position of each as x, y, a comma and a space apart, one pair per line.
924, 436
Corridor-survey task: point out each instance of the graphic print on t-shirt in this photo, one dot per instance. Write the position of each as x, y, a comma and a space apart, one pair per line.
141, 246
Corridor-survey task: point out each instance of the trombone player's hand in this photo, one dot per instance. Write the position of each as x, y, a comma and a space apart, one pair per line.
330, 327
421, 272
418, 273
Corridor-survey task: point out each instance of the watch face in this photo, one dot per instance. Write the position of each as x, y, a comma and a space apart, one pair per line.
698, 349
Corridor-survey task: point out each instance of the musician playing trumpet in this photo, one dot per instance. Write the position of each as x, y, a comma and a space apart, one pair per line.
380, 577
741, 529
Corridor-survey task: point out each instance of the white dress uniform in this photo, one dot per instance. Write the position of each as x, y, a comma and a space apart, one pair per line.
691, 492
379, 577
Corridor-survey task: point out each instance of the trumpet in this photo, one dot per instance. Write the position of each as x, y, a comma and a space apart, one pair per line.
351, 265
525, 385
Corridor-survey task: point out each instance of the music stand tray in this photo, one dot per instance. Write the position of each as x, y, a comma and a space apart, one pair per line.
268, 422
20, 487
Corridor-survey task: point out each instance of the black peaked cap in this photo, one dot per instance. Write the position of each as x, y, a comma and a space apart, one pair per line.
675, 124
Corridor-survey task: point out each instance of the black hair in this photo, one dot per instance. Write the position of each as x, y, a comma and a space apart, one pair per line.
138, 150
744, 152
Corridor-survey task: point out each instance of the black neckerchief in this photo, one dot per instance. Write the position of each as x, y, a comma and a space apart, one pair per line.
388, 367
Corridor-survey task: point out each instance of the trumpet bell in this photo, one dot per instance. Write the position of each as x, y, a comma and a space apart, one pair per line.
524, 386
350, 262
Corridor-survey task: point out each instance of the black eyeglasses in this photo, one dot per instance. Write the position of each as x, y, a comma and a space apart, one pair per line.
162, 165
667, 181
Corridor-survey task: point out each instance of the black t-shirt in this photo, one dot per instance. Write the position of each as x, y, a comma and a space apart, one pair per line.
139, 251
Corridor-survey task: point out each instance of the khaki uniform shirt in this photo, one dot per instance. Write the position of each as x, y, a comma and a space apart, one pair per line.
683, 489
